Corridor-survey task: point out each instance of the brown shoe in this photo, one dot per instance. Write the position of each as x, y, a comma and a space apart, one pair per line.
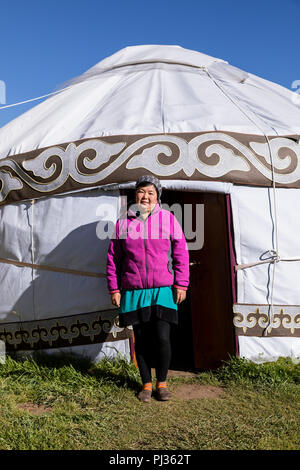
163, 394
145, 395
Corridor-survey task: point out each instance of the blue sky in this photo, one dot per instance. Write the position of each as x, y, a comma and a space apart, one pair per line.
44, 43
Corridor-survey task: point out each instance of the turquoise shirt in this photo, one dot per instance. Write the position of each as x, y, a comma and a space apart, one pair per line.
136, 299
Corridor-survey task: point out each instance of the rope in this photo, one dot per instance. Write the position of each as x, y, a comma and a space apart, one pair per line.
275, 257
32, 254
35, 99
44, 267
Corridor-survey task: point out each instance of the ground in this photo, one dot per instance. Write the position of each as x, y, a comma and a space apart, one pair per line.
191, 391
65, 405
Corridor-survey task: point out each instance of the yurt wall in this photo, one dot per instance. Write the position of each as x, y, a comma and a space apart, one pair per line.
53, 290
268, 295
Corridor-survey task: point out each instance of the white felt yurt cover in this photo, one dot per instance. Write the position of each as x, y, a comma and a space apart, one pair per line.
144, 90
153, 89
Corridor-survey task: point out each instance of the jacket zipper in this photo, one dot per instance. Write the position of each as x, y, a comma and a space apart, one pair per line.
145, 253
145, 220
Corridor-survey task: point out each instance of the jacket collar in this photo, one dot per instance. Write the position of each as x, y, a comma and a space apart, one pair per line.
135, 214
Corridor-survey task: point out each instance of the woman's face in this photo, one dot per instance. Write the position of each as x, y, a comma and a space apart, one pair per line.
146, 196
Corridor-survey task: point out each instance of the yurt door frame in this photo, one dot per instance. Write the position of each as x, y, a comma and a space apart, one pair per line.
208, 308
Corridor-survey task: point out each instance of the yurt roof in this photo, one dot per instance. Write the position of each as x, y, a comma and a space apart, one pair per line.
155, 89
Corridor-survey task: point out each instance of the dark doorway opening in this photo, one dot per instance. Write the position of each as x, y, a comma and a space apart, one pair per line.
205, 336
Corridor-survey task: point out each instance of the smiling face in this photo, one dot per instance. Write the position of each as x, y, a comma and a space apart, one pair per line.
146, 196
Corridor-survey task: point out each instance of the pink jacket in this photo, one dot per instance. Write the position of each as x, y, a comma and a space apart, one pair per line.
139, 254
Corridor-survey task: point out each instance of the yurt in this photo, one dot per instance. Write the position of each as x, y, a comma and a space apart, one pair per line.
225, 145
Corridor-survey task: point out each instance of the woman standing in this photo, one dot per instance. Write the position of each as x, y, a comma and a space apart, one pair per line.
141, 282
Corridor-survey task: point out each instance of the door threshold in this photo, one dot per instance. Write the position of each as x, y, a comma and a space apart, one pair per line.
178, 373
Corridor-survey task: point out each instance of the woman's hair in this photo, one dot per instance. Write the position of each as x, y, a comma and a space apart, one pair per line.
146, 183
145, 180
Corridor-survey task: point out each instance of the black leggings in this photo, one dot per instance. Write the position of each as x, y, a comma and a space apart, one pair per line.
152, 342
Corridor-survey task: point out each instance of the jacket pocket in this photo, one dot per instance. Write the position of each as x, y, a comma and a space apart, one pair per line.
131, 276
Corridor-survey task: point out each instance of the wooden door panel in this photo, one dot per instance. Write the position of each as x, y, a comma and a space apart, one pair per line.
208, 308
210, 286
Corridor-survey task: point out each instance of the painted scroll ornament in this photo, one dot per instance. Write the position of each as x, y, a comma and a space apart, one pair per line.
102, 159
258, 320
87, 328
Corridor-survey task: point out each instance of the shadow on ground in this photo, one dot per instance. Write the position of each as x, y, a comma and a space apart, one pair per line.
118, 372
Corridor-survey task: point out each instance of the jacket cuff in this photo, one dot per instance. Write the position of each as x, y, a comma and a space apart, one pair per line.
180, 287
114, 291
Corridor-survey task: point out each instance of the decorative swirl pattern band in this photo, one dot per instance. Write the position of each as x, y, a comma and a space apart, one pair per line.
87, 328
256, 320
223, 156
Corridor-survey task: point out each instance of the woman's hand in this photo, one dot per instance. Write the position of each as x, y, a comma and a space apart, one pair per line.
116, 299
180, 295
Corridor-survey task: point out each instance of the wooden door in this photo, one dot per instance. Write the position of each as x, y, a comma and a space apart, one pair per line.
205, 318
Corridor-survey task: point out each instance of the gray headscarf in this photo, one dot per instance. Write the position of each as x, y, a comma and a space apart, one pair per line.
152, 180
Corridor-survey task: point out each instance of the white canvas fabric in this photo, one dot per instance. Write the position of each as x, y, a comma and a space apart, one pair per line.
64, 234
93, 352
253, 231
187, 185
155, 89
253, 236
261, 350
143, 90
61, 231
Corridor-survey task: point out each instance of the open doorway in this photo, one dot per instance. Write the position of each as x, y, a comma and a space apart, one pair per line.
204, 337
205, 334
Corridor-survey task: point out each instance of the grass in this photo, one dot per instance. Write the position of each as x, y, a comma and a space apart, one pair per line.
49, 403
